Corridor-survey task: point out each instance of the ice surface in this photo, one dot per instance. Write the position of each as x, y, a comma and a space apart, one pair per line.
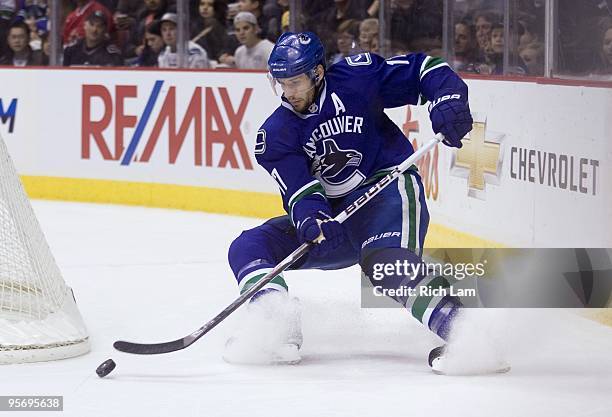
155, 275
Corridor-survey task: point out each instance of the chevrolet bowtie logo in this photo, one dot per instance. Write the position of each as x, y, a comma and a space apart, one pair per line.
479, 160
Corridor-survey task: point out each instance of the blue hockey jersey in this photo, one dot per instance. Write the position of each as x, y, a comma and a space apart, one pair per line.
345, 138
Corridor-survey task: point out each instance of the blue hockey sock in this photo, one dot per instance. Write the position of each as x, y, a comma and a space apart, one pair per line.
436, 312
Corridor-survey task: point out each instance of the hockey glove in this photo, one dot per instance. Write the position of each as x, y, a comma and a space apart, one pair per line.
450, 115
310, 229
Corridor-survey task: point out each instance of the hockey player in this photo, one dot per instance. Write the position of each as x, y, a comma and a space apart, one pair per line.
325, 145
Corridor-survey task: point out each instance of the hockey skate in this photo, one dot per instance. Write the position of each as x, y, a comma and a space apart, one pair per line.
269, 334
441, 364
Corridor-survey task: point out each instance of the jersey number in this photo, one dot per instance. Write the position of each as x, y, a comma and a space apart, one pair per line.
279, 180
398, 60
260, 142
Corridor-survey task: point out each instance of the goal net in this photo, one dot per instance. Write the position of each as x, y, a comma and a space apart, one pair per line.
39, 319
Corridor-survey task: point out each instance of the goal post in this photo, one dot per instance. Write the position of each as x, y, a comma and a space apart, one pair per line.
39, 318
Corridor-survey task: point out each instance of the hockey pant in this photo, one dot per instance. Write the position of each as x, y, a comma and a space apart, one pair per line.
396, 218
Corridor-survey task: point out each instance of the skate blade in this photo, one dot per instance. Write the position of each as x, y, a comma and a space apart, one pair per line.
284, 362
503, 370
287, 354
271, 362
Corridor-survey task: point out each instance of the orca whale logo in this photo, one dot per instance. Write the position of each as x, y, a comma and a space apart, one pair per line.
334, 160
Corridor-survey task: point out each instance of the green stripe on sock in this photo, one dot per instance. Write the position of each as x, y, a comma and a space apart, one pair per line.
411, 213
279, 280
422, 302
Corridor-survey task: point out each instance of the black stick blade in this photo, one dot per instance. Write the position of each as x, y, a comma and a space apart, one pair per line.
150, 349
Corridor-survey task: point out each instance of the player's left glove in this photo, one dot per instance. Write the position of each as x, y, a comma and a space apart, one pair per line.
450, 115
310, 229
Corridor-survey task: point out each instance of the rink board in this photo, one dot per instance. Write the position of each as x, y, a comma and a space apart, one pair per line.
536, 170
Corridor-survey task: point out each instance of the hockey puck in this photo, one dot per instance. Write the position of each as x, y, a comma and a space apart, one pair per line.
106, 368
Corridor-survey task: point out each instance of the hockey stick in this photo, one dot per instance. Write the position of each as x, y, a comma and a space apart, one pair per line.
165, 347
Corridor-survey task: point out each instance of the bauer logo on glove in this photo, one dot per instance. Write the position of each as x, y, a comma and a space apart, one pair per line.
450, 115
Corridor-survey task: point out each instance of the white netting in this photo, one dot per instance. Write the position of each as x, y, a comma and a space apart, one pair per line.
37, 310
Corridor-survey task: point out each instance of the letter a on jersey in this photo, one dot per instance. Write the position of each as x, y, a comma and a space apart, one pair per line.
338, 104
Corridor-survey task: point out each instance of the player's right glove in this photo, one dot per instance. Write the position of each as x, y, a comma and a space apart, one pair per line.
310, 229
450, 115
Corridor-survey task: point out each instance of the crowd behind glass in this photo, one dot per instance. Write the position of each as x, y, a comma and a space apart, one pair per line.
487, 37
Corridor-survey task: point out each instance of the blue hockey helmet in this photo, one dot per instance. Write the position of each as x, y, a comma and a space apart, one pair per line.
295, 54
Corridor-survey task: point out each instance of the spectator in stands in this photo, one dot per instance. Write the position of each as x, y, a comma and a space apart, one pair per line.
494, 56
95, 49
8, 8
273, 11
578, 38
35, 8
126, 15
152, 10
255, 7
532, 55
368, 31
34, 14
331, 18
168, 58
36, 28
74, 26
20, 54
496, 48
489, 62
153, 45
233, 8
125, 18
529, 30
253, 53
465, 47
604, 64
208, 29
346, 40
483, 22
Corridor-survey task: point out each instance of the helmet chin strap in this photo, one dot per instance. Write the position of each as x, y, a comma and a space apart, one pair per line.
317, 87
